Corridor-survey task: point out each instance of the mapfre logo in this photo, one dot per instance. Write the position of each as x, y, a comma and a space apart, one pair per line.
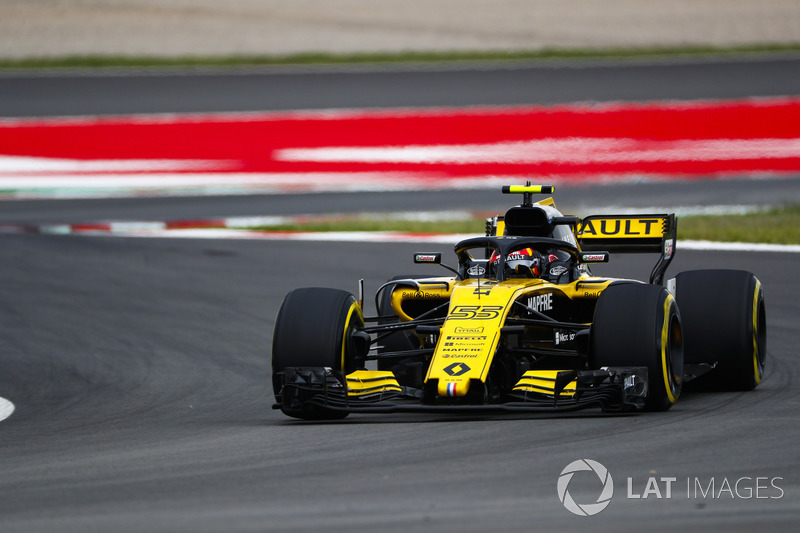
589, 466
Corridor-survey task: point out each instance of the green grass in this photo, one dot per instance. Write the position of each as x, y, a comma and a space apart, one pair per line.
105, 61
780, 225
472, 226
777, 226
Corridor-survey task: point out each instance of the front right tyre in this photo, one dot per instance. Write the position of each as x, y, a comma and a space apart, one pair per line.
725, 323
316, 327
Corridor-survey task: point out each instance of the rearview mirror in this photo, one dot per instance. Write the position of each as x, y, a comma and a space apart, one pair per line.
431, 259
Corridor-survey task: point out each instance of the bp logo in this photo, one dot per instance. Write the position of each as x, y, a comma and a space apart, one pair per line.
586, 509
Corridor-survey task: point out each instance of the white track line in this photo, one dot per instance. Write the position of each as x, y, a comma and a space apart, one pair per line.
738, 246
34, 166
6, 409
560, 150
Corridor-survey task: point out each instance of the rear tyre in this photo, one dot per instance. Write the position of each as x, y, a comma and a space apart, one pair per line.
639, 325
316, 327
725, 322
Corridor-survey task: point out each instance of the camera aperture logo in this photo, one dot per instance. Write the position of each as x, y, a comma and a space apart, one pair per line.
585, 509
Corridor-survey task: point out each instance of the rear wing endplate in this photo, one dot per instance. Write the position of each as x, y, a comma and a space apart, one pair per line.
631, 234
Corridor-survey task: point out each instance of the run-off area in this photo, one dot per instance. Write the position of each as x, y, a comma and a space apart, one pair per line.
406, 149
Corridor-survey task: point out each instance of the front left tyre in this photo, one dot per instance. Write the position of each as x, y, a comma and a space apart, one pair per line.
640, 325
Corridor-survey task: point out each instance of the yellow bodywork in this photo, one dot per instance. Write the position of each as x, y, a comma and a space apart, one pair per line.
478, 308
543, 382
364, 382
432, 289
623, 227
469, 336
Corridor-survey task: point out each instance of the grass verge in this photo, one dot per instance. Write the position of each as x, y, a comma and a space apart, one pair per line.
475, 226
114, 61
780, 225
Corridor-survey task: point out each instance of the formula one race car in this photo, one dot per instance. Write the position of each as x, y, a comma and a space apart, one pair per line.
521, 324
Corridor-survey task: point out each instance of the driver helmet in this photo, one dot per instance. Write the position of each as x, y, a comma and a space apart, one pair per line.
520, 262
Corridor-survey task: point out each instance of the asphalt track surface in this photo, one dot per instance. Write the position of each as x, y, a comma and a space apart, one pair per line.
514, 83
139, 370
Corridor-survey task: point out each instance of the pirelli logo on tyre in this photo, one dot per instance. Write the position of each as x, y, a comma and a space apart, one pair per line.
615, 227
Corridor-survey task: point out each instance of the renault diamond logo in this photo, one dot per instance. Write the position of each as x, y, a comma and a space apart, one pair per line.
457, 369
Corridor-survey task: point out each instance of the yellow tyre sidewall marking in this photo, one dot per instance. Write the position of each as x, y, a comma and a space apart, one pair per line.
756, 366
668, 302
353, 309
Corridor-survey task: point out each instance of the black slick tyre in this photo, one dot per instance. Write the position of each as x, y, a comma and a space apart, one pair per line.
640, 325
725, 323
315, 328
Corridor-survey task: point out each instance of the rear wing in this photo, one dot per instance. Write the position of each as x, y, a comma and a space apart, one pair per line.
631, 234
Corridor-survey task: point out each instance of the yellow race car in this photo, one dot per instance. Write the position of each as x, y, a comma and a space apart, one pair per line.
521, 324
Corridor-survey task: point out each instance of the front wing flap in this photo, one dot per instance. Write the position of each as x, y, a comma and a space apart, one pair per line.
610, 389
